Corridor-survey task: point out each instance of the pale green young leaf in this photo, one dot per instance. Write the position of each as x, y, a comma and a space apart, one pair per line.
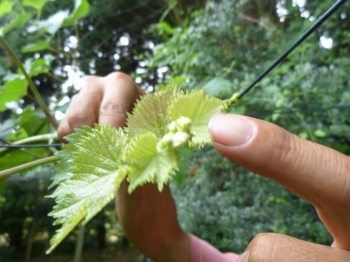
150, 114
5, 7
62, 171
146, 164
200, 109
96, 171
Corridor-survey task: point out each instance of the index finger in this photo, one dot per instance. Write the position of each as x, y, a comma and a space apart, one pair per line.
120, 94
318, 174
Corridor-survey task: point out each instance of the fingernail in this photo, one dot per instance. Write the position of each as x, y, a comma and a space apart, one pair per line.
230, 130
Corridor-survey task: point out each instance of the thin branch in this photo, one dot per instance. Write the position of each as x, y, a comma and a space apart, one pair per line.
14, 170
30, 82
253, 20
31, 140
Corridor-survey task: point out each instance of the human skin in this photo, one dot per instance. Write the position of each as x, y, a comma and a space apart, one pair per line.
315, 173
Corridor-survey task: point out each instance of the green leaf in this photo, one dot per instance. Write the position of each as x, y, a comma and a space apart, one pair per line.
51, 24
2, 186
320, 133
18, 22
38, 46
219, 87
96, 171
150, 114
38, 66
19, 134
81, 9
146, 164
5, 7
200, 109
13, 90
37, 4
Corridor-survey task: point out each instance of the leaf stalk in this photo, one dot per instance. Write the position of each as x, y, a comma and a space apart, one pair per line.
14, 170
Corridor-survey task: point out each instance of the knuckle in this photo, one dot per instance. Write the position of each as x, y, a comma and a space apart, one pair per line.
262, 247
108, 108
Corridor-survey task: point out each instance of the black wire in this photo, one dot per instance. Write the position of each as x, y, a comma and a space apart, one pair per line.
319, 22
31, 146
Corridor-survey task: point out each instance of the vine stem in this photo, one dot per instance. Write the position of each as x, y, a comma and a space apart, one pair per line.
31, 139
14, 170
32, 86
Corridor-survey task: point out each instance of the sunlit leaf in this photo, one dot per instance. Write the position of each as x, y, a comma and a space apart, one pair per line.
96, 171
5, 7
37, 4
81, 9
51, 24
17, 22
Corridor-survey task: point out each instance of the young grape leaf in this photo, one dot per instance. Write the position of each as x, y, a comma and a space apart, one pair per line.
150, 114
96, 171
146, 164
200, 109
62, 170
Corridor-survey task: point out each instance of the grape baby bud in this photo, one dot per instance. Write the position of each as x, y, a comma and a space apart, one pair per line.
179, 134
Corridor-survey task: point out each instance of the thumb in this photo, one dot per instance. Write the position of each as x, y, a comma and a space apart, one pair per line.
271, 247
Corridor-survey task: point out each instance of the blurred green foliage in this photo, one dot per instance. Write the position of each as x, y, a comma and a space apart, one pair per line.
222, 45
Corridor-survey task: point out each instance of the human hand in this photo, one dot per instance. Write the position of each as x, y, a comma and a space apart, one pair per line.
317, 174
147, 216
102, 100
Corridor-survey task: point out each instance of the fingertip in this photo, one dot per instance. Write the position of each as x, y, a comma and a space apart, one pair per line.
231, 130
63, 130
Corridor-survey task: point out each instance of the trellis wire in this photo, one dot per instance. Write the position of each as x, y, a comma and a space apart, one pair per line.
319, 22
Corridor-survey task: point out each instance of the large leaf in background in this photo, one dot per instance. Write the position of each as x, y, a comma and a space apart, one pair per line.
37, 4
17, 157
96, 172
219, 87
150, 114
51, 24
5, 7
146, 164
13, 90
200, 109
38, 66
17, 22
38, 46
81, 9
33, 121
